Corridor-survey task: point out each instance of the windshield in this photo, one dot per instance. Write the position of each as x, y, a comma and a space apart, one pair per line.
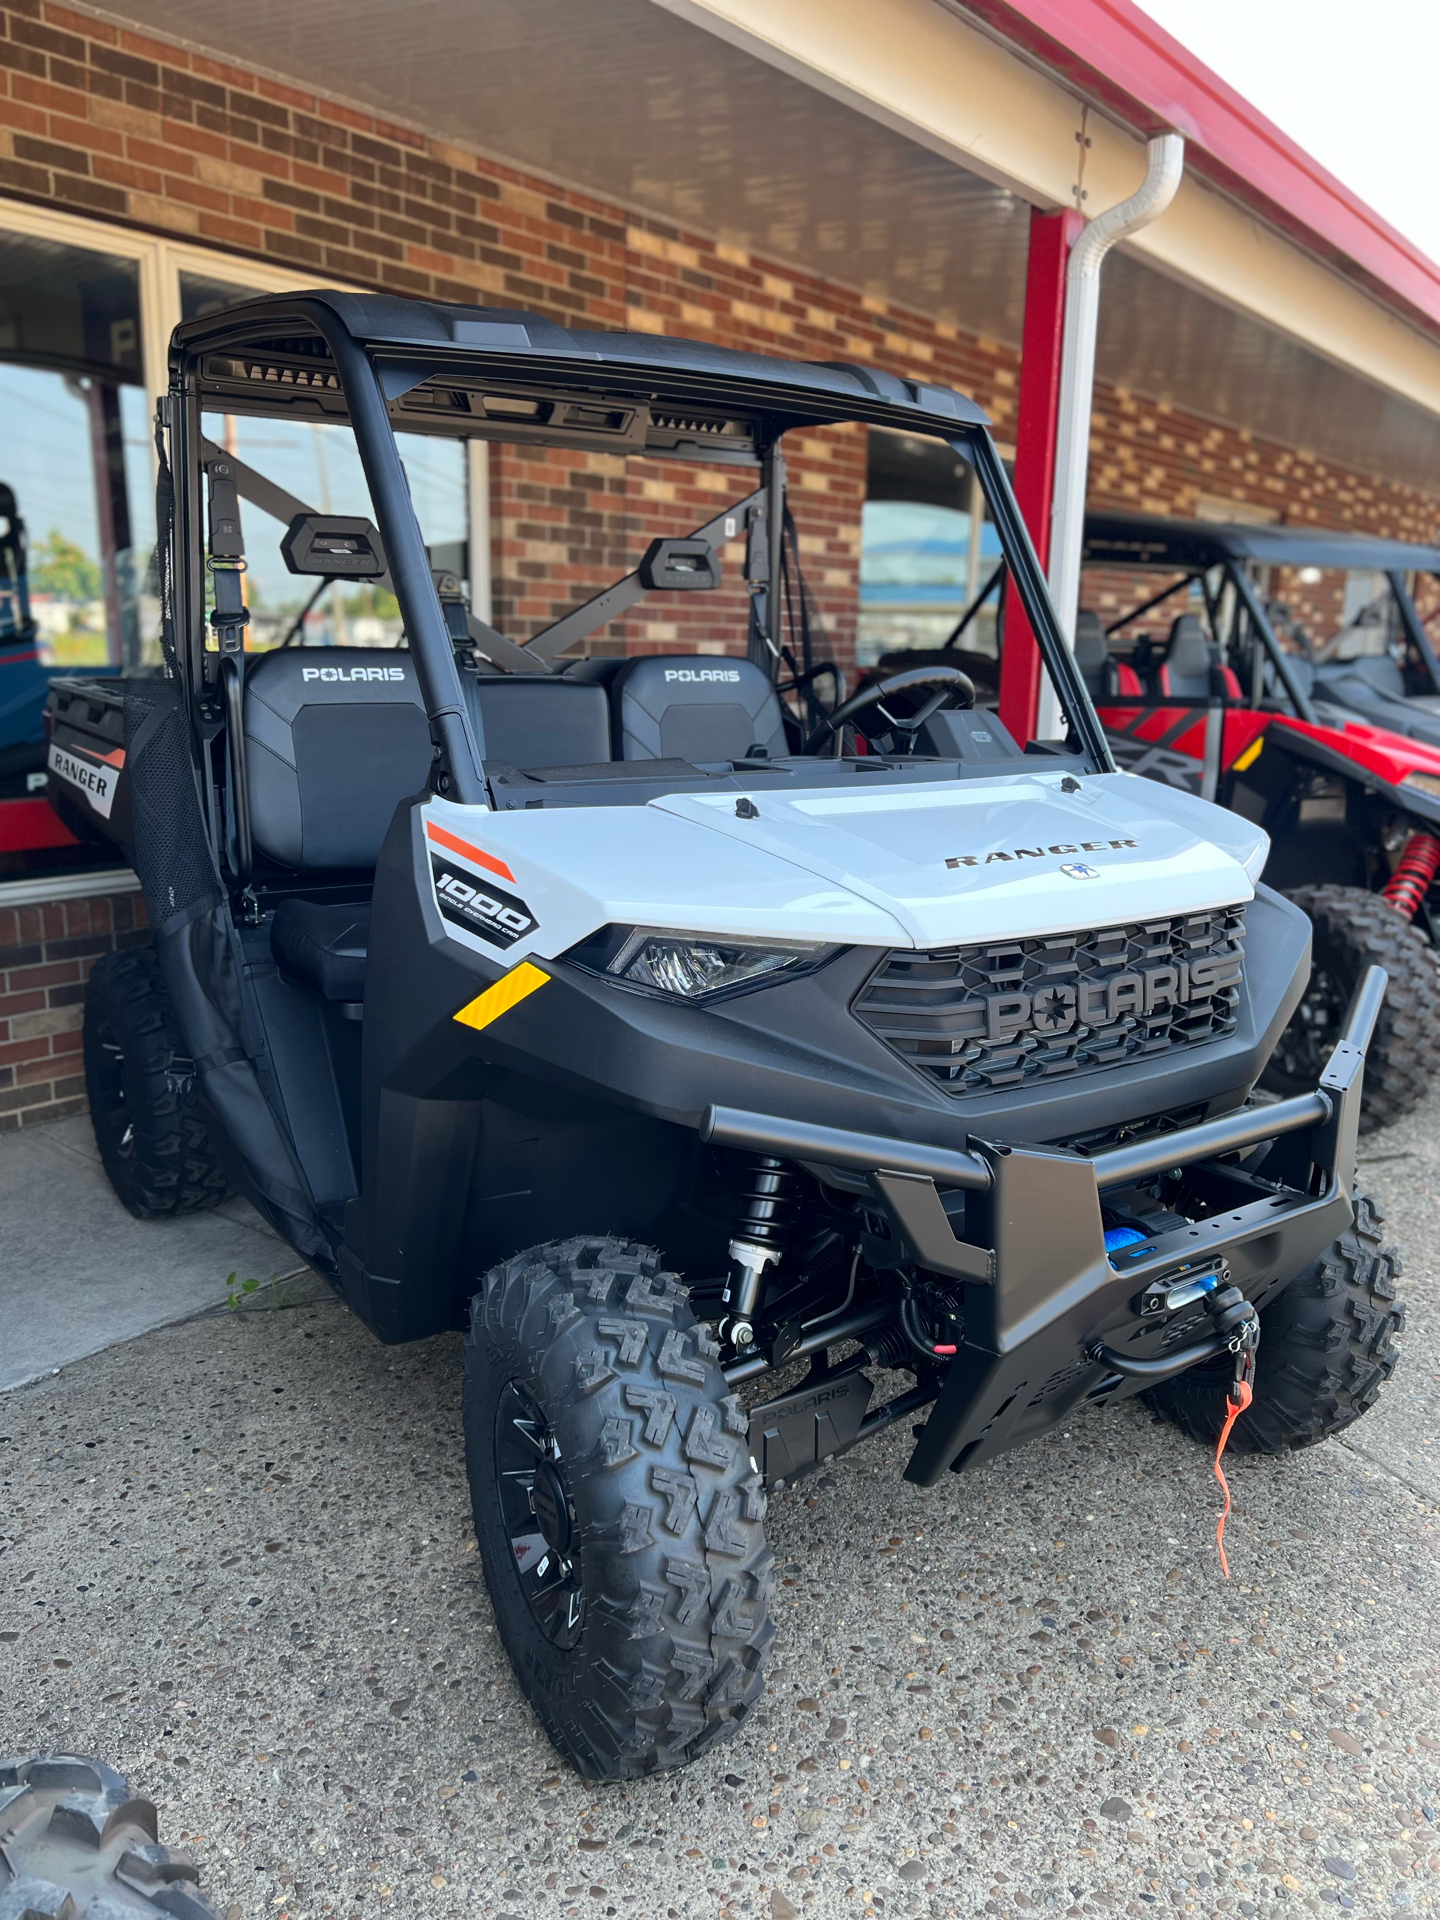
728, 604
1331, 613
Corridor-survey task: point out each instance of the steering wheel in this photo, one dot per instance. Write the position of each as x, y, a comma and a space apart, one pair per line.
952, 689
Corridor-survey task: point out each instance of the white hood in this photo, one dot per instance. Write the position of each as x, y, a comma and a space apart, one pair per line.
926, 866
972, 860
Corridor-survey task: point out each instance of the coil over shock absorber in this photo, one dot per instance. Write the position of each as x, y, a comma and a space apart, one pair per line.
762, 1232
1414, 870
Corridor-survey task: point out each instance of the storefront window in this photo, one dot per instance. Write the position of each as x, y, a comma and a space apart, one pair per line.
319, 465
926, 549
73, 445
202, 294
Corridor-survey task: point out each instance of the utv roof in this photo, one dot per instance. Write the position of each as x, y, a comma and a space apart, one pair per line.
1138, 540
412, 339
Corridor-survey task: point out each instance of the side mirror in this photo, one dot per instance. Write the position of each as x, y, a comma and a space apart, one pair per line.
679, 566
334, 545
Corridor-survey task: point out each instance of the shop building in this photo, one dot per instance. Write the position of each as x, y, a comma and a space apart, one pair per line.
839, 182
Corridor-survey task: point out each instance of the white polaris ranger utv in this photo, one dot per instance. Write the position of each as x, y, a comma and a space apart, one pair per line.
667, 1020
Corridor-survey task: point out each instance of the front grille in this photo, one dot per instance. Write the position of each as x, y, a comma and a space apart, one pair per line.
1016, 1013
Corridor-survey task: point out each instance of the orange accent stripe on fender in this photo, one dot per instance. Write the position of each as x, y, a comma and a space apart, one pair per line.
508, 991
456, 845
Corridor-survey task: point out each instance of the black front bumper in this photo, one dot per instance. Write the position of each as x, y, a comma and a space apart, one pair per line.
1041, 1291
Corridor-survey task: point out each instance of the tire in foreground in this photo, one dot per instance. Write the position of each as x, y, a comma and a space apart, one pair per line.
1354, 929
74, 1841
618, 1513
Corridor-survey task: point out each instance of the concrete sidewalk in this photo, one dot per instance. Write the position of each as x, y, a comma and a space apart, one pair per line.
77, 1273
236, 1562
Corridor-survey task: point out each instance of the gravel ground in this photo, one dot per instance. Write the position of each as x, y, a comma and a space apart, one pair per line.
236, 1562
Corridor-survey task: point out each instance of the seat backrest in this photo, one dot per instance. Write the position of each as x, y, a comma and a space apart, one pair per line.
695, 707
1188, 669
335, 739
1092, 653
1381, 671
544, 722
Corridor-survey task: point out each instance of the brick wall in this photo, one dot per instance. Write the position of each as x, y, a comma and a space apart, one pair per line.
103, 121
46, 953
1146, 457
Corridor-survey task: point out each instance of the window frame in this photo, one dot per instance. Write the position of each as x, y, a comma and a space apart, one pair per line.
161, 260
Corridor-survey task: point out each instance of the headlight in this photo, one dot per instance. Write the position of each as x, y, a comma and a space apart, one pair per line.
691, 966
1426, 782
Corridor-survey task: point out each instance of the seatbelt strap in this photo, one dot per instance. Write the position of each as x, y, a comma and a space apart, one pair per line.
230, 616
471, 637
269, 498
254, 487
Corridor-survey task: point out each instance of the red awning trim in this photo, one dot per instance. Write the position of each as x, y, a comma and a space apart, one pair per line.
1119, 57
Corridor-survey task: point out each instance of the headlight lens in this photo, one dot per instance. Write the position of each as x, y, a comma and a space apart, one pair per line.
1426, 782
691, 966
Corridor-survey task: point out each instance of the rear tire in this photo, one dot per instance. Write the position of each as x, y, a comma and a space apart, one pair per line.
1326, 1350
152, 1140
617, 1509
1353, 930
74, 1841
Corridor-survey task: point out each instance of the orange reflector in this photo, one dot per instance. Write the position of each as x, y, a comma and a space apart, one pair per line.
507, 992
1250, 755
457, 845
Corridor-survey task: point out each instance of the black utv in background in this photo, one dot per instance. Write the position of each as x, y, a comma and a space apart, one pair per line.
747, 1069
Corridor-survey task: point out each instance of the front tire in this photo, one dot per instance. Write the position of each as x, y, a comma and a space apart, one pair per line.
152, 1139
1353, 930
617, 1509
1326, 1349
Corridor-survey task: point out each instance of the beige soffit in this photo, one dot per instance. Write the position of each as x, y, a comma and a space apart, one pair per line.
920, 69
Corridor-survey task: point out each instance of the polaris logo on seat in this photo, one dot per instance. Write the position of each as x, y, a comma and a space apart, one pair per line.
696, 674
498, 917
352, 673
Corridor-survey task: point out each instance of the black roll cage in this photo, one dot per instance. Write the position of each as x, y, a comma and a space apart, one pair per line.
1208, 550
371, 338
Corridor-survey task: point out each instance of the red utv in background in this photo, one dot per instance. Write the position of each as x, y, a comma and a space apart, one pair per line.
32, 837
1210, 681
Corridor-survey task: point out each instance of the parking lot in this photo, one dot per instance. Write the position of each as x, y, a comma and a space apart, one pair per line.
237, 1564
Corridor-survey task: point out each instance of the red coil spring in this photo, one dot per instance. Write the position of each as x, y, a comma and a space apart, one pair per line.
1414, 871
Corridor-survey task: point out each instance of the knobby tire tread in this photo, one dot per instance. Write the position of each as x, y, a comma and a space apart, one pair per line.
1327, 1347
669, 1508
170, 1167
1355, 929
74, 1839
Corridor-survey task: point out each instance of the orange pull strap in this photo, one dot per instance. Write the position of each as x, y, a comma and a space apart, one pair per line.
1234, 1408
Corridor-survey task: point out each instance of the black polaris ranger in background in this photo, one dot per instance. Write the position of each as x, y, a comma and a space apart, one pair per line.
669, 1020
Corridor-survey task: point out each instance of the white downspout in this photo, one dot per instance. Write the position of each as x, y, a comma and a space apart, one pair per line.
1165, 163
